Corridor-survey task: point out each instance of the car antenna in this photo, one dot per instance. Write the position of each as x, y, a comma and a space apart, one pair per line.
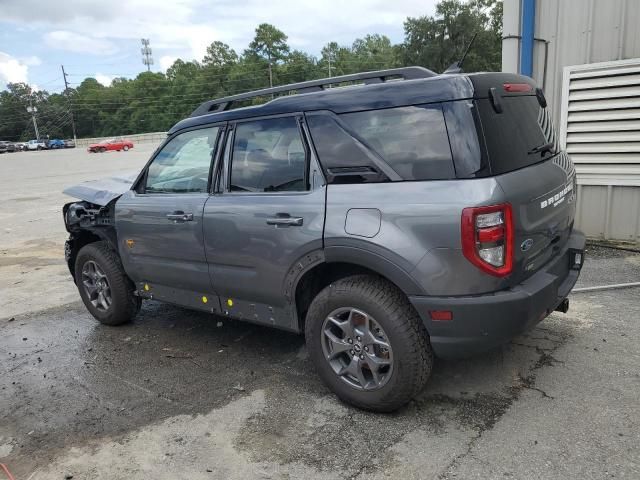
456, 67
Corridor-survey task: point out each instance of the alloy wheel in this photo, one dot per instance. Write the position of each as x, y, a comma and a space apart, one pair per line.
357, 348
96, 286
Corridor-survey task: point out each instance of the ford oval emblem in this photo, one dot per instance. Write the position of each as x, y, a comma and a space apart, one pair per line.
526, 245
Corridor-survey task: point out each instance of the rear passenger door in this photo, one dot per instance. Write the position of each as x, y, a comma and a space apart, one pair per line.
267, 212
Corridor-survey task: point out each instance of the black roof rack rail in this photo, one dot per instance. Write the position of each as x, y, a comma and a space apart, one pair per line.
379, 76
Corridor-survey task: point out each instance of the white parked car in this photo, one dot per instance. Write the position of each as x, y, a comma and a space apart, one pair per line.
36, 145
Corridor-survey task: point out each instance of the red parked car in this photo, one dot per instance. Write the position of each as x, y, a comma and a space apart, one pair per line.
117, 143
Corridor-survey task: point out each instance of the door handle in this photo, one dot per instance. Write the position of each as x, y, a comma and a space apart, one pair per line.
180, 217
285, 220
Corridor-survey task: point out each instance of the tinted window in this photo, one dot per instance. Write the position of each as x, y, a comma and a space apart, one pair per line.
343, 158
182, 166
461, 118
268, 156
412, 140
512, 136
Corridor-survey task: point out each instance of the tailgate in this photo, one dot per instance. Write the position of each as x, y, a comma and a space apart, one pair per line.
522, 153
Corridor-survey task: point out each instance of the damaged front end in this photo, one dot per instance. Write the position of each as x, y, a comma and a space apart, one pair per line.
87, 223
92, 219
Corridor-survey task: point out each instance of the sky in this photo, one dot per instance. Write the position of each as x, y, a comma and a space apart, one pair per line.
101, 39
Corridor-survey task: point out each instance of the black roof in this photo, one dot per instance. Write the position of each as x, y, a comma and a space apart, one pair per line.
431, 88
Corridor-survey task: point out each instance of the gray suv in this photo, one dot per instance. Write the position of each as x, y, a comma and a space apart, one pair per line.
395, 216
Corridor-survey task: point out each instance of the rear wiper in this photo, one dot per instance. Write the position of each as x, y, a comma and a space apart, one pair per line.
545, 147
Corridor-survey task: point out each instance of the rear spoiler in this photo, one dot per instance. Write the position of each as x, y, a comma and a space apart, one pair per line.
494, 86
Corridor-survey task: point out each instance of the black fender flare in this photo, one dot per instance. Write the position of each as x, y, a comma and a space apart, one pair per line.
377, 263
352, 255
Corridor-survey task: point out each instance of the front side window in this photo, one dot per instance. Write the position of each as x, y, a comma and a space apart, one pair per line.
183, 164
268, 156
412, 140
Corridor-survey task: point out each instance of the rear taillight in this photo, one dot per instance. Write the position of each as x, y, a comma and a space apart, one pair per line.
487, 238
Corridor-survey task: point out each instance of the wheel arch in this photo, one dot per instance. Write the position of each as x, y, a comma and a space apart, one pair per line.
320, 268
81, 237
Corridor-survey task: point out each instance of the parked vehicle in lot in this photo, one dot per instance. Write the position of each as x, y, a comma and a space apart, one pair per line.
8, 147
390, 222
69, 143
117, 144
37, 145
55, 143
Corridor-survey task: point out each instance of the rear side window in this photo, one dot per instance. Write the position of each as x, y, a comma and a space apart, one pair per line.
268, 156
412, 140
344, 159
514, 137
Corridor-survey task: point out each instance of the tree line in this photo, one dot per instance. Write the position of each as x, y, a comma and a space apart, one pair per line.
154, 101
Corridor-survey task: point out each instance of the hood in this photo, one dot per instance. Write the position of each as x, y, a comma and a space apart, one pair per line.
101, 192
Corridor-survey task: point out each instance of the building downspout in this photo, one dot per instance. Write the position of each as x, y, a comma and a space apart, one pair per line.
528, 9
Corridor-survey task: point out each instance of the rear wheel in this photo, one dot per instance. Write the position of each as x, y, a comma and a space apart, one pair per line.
104, 287
368, 343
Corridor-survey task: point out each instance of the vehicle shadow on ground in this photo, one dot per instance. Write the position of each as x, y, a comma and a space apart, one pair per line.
84, 381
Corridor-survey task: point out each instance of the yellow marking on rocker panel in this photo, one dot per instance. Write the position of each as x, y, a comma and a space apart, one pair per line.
130, 242
146, 287
230, 302
204, 299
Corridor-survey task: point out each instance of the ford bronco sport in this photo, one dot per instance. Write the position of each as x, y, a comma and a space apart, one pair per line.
403, 216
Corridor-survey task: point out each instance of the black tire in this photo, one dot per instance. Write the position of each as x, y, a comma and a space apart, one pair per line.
125, 148
405, 332
124, 304
102, 150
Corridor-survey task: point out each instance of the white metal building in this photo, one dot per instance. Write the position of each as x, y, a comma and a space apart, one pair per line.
586, 56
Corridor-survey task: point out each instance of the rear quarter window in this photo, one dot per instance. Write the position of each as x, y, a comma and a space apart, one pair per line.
412, 140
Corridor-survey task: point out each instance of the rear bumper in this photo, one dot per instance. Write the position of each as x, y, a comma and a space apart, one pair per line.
484, 321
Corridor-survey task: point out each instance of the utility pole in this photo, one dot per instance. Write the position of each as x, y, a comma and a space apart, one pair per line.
147, 59
66, 92
32, 110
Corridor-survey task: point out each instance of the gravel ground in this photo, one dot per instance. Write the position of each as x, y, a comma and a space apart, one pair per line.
181, 394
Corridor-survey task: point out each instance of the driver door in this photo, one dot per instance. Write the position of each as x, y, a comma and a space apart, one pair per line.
159, 222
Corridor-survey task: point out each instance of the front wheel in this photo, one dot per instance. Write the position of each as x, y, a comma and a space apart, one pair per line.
125, 148
104, 287
368, 343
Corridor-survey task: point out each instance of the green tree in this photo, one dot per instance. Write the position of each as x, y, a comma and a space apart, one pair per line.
437, 41
219, 55
271, 45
